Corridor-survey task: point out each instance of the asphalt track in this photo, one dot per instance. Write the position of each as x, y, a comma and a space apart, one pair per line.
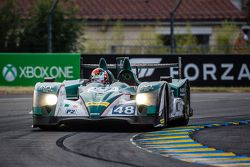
20, 145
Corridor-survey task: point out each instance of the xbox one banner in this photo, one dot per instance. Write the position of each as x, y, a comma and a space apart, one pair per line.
26, 69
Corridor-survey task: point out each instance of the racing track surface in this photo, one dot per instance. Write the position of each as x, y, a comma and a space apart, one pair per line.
20, 145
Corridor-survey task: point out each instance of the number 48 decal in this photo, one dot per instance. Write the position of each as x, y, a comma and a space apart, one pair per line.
124, 110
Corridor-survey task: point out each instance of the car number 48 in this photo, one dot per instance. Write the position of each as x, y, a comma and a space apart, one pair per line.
127, 110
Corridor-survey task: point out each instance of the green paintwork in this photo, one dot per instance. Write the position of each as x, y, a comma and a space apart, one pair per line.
98, 96
72, 91
103, 64
38, 111
151, 110
95, 111
176, 85
126, 65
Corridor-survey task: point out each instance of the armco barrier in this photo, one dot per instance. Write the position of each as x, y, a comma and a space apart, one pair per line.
26, 69
201, 70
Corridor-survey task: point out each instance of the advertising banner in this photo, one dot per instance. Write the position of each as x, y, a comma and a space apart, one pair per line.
201, 70
26, 69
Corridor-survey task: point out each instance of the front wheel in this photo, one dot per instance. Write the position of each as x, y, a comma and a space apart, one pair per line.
47, 127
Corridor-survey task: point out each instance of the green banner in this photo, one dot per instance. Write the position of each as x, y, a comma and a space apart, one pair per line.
26, 69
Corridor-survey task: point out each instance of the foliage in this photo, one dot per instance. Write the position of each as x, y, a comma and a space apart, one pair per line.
149, 42
65, 29
187, 43
9, 26
94, 47
224, 37
109, 39
117, 36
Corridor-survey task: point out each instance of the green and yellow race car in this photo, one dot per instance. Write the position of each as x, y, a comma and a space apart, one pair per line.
105, 99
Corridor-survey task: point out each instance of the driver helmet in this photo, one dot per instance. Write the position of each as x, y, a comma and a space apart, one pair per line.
99, 75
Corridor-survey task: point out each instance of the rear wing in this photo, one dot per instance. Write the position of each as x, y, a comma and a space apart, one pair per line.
119, 65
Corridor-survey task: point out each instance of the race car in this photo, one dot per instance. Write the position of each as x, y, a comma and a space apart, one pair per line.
102, 98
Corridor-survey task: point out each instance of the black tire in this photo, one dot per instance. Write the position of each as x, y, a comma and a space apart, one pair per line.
182, 121
47, 127
166, 110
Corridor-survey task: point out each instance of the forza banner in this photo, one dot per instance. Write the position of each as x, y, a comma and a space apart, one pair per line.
201, 70
26, 69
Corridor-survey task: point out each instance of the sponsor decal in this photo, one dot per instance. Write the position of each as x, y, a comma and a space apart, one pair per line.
106, 104
9, 72
147, 87
94, 114
70, 111
210, 71
182, 91
75, 106
123, 110
145, 72
66, 105
41, 72
103, 89
45, 88
162, 121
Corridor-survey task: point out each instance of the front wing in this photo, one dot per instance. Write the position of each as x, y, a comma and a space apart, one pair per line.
57, 121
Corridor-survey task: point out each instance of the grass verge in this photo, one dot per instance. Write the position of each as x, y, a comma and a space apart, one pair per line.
6, 90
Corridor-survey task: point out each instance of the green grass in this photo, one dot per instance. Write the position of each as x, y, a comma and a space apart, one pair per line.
5, 90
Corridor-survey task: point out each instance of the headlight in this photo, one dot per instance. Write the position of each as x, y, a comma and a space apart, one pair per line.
50, 99
142, 98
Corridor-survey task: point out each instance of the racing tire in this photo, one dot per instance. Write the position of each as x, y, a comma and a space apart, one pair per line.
186, 113
47, 127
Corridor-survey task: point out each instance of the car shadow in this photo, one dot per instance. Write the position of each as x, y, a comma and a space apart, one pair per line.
121, 128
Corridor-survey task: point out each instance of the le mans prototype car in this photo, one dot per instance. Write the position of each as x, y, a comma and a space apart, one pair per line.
124, 99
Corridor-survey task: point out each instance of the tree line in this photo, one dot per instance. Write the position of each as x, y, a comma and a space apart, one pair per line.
29, 32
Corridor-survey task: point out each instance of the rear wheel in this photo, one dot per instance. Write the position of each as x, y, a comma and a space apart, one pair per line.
186, 112
181, 121
185, 119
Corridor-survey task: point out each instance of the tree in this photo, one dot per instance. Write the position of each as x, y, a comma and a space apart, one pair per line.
117, 36
9, 26
187, 43
224, 36
65, 28
110, 39
149, 42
